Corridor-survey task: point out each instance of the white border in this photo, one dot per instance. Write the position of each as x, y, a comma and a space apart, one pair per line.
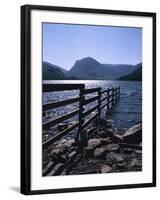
42, 183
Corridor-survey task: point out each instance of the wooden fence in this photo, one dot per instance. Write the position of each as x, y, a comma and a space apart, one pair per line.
109, 98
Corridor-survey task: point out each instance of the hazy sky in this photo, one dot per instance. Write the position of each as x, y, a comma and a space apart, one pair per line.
63, 44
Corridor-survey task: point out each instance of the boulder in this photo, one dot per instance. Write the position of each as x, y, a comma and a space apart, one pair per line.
100, 153
105, 169
94, 143
133, 135
115, 157
112, 147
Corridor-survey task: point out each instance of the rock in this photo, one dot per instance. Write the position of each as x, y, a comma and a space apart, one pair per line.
100, 153
115, 157
55, 152
91, 130
105, 141
112, 147
121, 165
105, 169
121, 131
57, 169
94, 143
69, 143
88, 152
138, 151
117, 138
63, 172
72, 155
48, 168
132, 146
134, 134
62, 127
109, 132
58, 155
102, 134
113, 136
135, 163
62, 159
72, 162
127, 150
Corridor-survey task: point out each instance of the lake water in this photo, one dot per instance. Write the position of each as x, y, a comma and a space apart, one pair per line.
126, 113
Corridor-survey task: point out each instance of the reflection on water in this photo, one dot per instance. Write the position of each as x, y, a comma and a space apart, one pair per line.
125, 114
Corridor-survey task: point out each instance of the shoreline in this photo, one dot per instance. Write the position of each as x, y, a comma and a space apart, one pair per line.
105, 151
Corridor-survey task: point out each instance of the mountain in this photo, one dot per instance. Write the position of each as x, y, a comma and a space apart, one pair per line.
134, 76
53, 72
89, 68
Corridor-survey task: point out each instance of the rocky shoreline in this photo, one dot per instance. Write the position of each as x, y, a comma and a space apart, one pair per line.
107, 150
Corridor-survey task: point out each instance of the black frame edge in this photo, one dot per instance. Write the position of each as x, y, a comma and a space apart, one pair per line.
89, 189
154, 99
89, 10
26, 102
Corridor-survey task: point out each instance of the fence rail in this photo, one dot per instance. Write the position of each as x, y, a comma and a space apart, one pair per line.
111, 97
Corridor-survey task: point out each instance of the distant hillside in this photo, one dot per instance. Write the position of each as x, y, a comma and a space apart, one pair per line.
134, 76
89, 68
53, 72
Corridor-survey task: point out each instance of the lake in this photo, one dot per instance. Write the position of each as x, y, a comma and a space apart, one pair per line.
126, 113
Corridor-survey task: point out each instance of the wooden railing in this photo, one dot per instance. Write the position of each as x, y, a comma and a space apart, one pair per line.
108, 97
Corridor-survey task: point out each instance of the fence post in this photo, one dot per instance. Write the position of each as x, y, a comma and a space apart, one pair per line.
112, 97
108, 99
99, 103
81, 136
118, 92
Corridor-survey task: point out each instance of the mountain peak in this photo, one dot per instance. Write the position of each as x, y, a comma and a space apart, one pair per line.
88, 60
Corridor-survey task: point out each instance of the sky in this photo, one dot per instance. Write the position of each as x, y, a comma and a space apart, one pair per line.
63, 44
